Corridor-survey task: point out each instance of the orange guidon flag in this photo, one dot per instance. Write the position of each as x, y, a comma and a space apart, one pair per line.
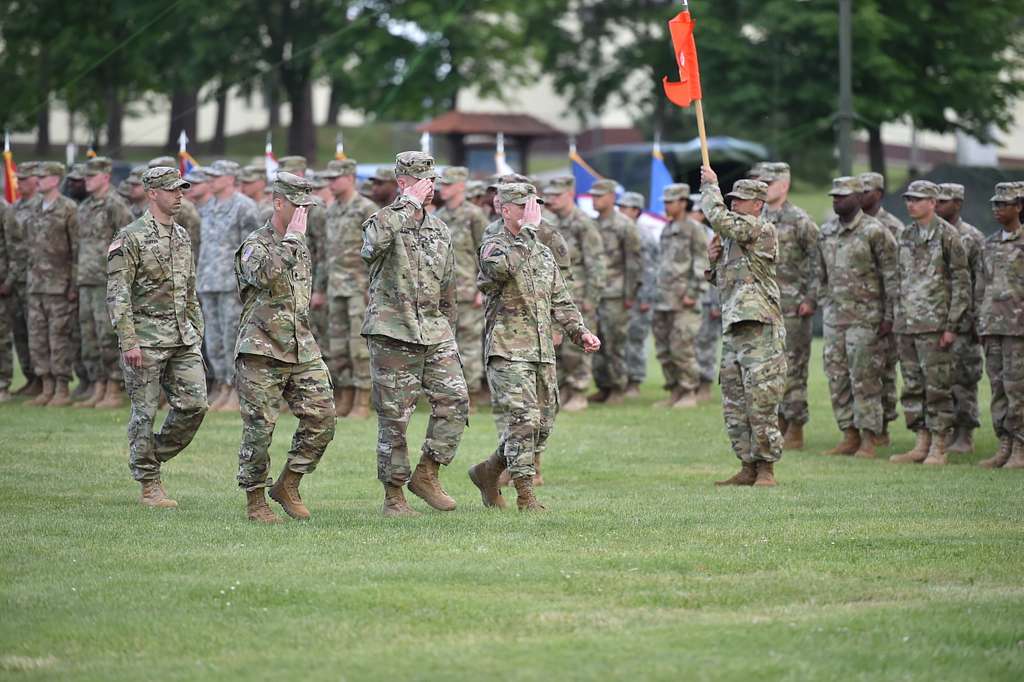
687, 90
10, 172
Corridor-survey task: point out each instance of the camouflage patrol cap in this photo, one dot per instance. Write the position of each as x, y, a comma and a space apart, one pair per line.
1006, 193
294, 164
77, 172
845, 186
338, 168
517, 193
164, 177
950, 191
196, 176
675, 192
366, 188
872, 181
922, 189
124, 188
453, 175
507, 178
26, 169
135, 177
418, 165
1017, 188
47, 168
475, 189
97, 165
316, 181
384, 174
603, 187
222, 167
295, 189
560, 184
253, 173
631, 200
749, 189
162, 162
755, 171
774, 171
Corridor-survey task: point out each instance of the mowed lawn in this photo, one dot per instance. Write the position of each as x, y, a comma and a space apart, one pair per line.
852, 570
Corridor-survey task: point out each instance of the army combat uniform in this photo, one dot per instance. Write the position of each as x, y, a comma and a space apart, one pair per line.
11, 264
639, 319
23, 209
153, 306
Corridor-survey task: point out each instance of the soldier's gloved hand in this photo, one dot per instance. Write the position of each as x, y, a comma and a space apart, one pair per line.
297, 225
133, 357
946, 340
591, 344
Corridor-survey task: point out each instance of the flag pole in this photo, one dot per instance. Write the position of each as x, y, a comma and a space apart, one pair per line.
705, 157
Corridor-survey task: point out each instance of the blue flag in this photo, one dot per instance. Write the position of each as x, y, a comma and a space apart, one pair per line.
660, 179
585, 175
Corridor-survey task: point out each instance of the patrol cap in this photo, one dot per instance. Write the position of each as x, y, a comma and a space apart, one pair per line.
507, 178
631, 200
366, 188
749, 189
774, 171
1006, 193
253, 173
675, 192
494, 180
295, 189
517, 193
872, 181
922, 189
222, 167
418, 165
338, 168
384, 174
162, 162
135, 177
1017, 188
475, 189
124, 188
453, 175
98, 164
845, 186
26, 169
560, 184
603, 187
196, 176
46, 168
755, 171
77, 172
316, 181
163, 177
950, 191
294, 164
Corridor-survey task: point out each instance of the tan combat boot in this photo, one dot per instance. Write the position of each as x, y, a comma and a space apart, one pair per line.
257, 509
745, 476
765, 474
395, 504
783, 425
61, 397
793, 438
360, 405
867, 445
46, 394
285, 492
31, 389
99, 389
113, 398
1016, 460
672, 399
425, 485
538, 478
916, 454
82, 391
848, 445
937, 450
1001, 457
154, 495
687, 399
485, 477
576, 403
524, 495
704, 392
615, 397
598, 396
343, 399
961, 441
883, 440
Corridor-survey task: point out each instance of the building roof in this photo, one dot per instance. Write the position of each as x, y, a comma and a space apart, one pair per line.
463, 123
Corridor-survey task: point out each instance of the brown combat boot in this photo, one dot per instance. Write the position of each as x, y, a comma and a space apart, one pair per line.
113, 398
687, 399
485, 477
154, 495
576, 403
425, 485
633, 390
793, 438
765, 474
937, 450
524, 495
257, 509
867, 445
99, 389
599, 396
1016, 460
916, 454
672, 399
82, 391
961, 441
704, 392
61, 397
285, 492
505, 479
615, 397
343, 399
783, 425
745, 476
848, 445
883, 440
1001, 457
360, 405
31, 389
395, 504
538, 478
45, 394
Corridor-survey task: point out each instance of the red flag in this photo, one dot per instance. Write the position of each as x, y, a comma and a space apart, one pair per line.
10, 173
687, 90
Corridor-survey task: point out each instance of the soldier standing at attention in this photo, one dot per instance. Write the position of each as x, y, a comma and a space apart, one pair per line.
28, 184
476, 192
136, 197
797, 235
623, 263
51, 238
346, 286
586, 257
525, 295
934, 286
753, 370
466, 223
253, 182
999, 302
276, 356
631, 205
228, 219
683, 259
709, 336
410, 327
154, 309
11, 262
967, 352
100, 217
857, 287
385, 186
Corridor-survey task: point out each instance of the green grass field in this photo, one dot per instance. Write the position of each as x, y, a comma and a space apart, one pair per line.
852, 570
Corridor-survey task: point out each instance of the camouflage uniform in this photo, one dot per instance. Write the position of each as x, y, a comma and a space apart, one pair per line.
188, 217
640, 321
623, 263
276, 355
410, 321
856, 286
709, 336
153, 306
547, 234
934, 286
11, 264
753, 370
23, 210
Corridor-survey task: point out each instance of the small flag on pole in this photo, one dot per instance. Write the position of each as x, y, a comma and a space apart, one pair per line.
10, 172
339, 147
70, 152
186, 163
270, 159
425, 143
660, 178
501, 166
585, 175
687, 90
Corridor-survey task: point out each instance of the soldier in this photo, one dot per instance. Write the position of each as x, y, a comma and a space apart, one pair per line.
623, 263
525, 295
466, 223
797, 235
410, 327
346, 287
586, 256
753, 370
100, 217
967, 353
136, 197
709, 336
228, 219
200, 192
154, 309
23, 208
188, 217
934, 286
11, 263
366, 189
476, 192
321, 189
857, 285
631, 205
385, 186
51, 246
276, 356
681, 284
253, 183
999, 303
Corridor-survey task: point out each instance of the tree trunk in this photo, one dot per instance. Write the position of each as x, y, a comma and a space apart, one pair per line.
115, 118
43, 117
876, 149
273, 99
334, 104
184, 116
219, 143
301, 131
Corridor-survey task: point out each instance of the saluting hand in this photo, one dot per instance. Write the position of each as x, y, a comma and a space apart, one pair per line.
421, 190
297, 224
531, 212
